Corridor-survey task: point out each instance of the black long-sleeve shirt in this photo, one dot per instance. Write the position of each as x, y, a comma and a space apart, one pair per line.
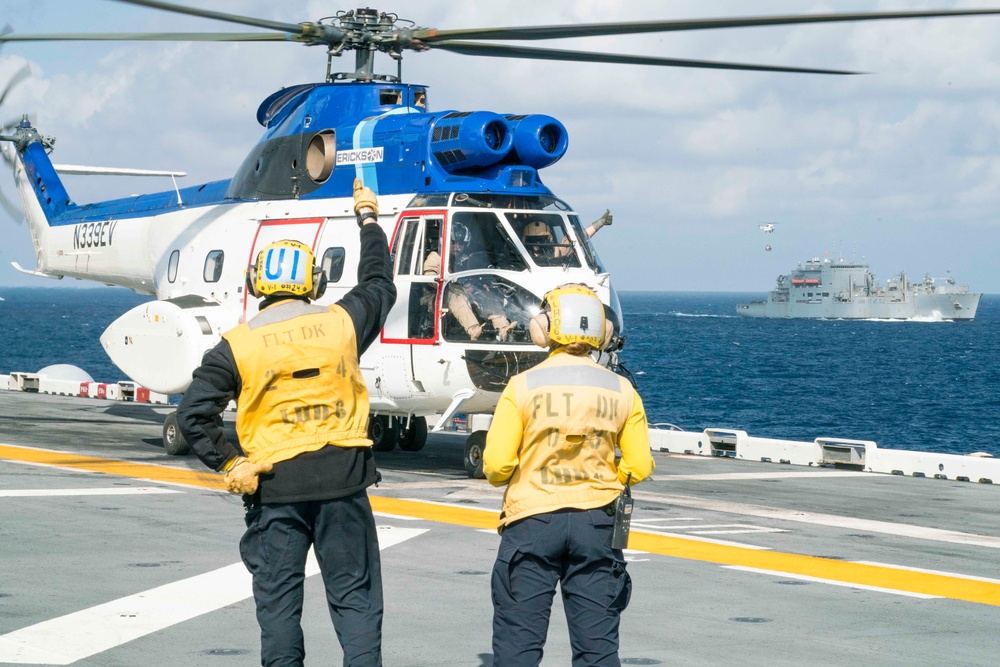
329, 472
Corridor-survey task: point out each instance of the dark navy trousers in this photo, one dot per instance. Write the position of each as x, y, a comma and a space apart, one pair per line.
572, 548
274, 549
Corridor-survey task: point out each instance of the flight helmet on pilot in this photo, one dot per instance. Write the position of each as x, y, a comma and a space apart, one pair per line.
536, 234
286, 268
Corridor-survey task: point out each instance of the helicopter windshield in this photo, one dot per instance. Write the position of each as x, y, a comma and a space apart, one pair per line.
487, 309
527, 202
589, 252
545, 238
479, 241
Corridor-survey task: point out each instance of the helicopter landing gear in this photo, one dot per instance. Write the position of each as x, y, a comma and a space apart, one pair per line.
474, 446
173, 440
383, 432
413, 438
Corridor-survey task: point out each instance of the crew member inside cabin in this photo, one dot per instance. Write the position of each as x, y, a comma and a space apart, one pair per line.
303, 461
471, 302
540, 240
552, 444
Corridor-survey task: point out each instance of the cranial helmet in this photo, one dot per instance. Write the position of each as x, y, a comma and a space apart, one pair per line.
286, 268
460, 233
537, 232
571, 314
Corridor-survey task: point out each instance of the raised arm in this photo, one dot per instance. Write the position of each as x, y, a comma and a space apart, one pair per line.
369, 302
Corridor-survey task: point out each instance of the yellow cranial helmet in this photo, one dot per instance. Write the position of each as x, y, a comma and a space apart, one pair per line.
570, 314
284, 267
536, 232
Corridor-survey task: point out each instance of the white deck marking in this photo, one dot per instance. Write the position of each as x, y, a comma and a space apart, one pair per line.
851, 523
846, 584
709, 540
739, 531
67, 639
733, 476
113, 491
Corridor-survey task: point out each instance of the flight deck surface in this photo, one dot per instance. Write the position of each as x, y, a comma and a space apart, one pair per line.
116, 554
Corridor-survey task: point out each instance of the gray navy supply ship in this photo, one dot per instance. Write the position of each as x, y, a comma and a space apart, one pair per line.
840, 289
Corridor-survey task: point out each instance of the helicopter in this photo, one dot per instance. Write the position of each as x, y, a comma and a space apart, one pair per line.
460, 184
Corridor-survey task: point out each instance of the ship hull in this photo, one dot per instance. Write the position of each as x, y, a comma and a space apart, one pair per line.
849, 291
929, 307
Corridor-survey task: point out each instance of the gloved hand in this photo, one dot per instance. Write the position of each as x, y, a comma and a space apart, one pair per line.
242, 476
364, 197
603, 220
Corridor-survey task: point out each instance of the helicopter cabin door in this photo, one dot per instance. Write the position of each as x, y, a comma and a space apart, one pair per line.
304, 230
416, 251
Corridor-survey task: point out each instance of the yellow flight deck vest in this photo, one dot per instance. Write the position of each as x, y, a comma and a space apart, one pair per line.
302, 386
572, 410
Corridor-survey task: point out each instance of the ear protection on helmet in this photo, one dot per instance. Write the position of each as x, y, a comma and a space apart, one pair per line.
285, 267
538, 327
570, 314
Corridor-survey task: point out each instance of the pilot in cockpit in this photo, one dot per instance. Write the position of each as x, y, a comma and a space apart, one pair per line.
541, 243
470, 301
465, 257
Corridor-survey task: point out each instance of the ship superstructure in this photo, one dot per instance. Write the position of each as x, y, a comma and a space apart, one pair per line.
841, 289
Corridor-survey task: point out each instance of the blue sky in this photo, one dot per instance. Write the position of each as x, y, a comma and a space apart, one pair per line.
900, 167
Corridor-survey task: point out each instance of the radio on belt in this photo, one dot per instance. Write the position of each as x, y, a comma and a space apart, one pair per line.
623, 517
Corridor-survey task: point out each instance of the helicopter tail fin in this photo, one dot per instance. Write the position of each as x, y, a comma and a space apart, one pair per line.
43, 195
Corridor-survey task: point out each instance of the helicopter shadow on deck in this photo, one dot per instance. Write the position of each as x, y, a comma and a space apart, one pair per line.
442, 455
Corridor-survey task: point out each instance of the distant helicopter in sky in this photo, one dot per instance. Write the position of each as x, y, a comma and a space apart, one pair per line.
767, 227
476, 236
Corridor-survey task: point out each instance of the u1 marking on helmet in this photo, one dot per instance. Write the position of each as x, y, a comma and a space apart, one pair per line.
285, 267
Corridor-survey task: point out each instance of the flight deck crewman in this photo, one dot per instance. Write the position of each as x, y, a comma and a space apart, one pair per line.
552, 443
304, 461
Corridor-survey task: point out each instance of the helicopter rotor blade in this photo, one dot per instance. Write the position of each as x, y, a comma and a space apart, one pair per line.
434, 37
220, 16
503, 51
18, 77
151, 37
309, 32
12, 210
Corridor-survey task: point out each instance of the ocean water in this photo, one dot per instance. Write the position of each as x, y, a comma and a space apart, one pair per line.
928, 386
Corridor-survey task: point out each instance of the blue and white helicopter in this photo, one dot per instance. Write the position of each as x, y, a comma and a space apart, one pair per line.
477, 238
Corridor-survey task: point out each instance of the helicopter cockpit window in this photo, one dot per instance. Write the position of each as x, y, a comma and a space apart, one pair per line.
428, 201
545, 238
404, 264
589, 252
430, 252
390, 96
213, 266
528, 202
175, 258
333, 264
487, 309
478, 241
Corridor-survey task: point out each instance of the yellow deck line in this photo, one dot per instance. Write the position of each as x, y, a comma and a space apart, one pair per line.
144, 471
909, 581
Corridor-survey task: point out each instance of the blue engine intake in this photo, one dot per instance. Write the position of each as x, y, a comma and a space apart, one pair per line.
539, 140
464, 140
